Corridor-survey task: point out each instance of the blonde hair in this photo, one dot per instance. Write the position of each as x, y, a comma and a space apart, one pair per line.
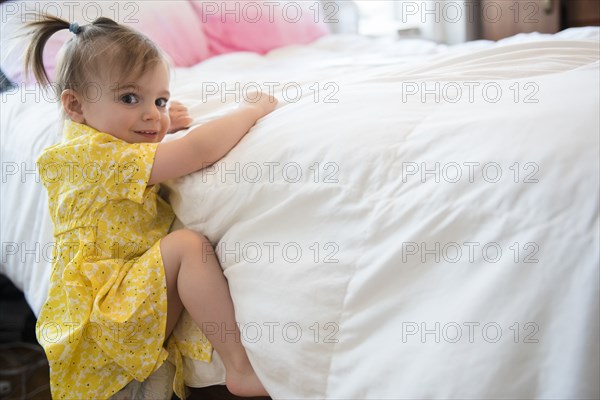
100, 50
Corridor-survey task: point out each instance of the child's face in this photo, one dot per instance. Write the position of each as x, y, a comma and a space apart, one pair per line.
134, 113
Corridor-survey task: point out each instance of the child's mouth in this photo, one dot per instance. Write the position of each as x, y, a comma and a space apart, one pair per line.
149, 134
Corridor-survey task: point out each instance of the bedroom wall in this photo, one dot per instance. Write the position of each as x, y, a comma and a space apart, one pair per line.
451, 21
457, 21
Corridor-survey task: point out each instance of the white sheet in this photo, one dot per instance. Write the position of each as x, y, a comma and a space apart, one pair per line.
366, 310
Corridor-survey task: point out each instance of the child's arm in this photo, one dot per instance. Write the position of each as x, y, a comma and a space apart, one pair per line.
207, 143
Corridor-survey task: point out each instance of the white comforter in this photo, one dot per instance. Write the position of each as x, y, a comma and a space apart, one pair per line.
413, 221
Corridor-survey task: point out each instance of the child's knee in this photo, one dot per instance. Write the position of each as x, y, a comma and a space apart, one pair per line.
192, 242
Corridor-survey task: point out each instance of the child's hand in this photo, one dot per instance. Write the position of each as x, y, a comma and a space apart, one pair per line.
179, 115
260, 101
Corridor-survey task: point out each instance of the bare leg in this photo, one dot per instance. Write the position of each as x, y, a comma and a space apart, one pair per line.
195, 281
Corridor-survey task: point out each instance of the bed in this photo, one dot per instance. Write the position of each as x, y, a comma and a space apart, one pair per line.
414, 220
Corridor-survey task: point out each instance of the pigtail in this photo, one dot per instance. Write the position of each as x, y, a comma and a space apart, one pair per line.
41, 32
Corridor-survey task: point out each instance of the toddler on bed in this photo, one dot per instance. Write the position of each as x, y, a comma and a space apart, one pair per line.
120, 281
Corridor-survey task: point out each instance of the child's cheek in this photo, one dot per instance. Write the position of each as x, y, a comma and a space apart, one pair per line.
165, 123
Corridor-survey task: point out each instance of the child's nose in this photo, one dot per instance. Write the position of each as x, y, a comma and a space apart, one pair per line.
151, 113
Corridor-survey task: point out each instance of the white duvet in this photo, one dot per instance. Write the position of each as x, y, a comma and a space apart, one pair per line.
413, 221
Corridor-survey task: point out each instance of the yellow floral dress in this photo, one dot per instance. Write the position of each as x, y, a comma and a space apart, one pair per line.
104, 321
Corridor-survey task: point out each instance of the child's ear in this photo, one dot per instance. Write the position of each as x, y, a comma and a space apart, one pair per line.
71, 102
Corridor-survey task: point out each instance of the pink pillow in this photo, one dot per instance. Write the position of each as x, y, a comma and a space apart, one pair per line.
259, 26
172, 25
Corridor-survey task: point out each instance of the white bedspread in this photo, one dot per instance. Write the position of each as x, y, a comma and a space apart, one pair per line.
413, 221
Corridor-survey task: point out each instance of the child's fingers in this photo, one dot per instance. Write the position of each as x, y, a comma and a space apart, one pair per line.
177, 107
178, 110
179, 115
180, 119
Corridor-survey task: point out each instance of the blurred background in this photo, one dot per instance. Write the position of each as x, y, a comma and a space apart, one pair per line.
455, 21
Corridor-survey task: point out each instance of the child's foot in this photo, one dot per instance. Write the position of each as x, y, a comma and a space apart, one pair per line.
244, 384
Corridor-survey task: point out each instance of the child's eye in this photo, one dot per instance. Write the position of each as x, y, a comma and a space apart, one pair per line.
130, 98
162, 102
